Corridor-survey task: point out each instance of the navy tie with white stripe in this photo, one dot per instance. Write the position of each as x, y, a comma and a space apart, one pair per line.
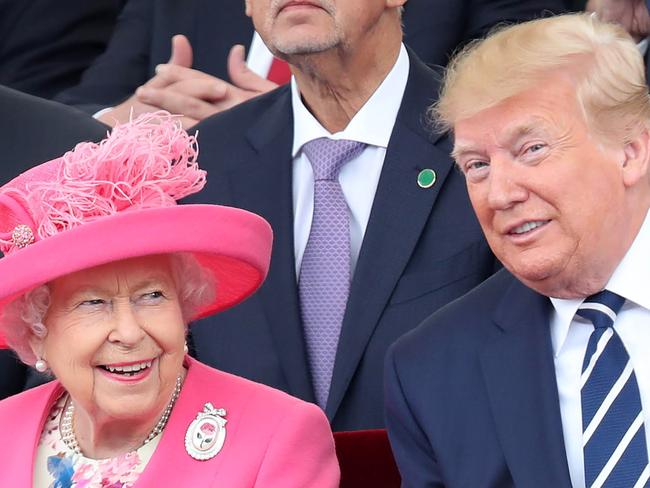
613, 431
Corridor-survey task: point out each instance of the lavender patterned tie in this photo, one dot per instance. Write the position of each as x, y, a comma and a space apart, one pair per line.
325, 270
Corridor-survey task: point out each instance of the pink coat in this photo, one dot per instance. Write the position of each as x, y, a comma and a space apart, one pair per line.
272, 439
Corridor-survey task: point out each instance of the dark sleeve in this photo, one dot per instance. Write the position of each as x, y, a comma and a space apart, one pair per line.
413, 453
483, 15
46, 45
114, 76
13, 374
435, 29
38, 130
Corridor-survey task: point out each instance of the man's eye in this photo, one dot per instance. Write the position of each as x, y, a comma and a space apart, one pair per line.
92, 302
535, 147
475, 165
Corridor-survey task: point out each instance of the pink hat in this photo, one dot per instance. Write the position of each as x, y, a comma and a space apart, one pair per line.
117, 199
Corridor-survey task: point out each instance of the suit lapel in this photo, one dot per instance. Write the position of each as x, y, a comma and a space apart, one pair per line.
399, 213
520, 378
266, 189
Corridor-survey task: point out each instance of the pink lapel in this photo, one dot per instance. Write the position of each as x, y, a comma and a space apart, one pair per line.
21, 421
170, 461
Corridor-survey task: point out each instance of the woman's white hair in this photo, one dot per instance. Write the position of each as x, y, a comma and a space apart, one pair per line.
22, 319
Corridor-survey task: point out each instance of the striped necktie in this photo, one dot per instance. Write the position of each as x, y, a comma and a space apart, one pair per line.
615, 451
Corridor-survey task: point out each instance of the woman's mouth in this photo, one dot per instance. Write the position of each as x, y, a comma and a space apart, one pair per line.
131, 370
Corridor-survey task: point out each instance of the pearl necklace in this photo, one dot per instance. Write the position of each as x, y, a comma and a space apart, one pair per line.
67, 430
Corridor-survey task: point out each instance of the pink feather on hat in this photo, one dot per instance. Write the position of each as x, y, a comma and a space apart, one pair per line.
147, 163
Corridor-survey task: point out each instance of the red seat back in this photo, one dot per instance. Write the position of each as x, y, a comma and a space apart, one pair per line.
366, 459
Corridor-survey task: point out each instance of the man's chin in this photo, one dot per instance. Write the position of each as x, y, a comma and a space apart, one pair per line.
301, 46
542, 277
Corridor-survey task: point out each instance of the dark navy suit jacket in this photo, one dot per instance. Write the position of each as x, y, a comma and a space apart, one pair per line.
34, 131
422, 249
45, 45
142, 38
471, 395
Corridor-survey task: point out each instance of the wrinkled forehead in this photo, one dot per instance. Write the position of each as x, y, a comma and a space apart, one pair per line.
543, 113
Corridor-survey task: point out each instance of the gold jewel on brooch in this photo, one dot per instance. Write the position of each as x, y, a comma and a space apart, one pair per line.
67, 429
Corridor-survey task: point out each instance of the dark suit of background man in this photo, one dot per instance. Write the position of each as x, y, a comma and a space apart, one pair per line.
33, 131
142, 40
539, 377
422, 246
45, 45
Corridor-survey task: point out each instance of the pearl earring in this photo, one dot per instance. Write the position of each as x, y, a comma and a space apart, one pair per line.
185, 348
41, 365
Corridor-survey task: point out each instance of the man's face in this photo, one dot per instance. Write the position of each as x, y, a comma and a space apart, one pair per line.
290, 27
549, 195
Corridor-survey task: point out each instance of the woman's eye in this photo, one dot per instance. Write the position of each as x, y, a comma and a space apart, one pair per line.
153, 295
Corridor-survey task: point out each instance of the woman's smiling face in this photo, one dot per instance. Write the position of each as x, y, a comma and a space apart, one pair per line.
115, 337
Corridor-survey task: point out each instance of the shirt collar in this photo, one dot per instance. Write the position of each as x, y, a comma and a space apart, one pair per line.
372, 124
629, 280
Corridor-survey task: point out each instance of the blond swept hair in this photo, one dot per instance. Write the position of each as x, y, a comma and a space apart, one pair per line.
601, 59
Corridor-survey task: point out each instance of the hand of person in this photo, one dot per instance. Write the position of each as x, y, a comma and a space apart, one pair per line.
180, 89
132, 107
631, 14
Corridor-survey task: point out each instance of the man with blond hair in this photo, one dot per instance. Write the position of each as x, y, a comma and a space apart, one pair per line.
538, 377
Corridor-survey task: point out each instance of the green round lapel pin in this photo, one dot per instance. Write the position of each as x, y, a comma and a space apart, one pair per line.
426, 178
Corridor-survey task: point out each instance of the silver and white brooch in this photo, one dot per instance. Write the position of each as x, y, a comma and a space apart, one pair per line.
207, 433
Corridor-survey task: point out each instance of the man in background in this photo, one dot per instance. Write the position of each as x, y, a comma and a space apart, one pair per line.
202, 75
372, 226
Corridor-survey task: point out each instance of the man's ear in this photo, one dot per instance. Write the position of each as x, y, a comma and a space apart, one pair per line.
636, 158
248, 8
391, 3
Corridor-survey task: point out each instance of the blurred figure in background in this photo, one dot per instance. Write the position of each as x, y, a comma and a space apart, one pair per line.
46, 45
203, 76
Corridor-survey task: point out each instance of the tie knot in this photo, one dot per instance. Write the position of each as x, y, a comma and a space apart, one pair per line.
327, 156
601, 308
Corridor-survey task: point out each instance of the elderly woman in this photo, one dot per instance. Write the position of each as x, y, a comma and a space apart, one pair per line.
101, 275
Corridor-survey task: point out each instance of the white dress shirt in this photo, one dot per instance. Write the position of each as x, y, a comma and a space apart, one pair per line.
372, 125
259, 57
570, 335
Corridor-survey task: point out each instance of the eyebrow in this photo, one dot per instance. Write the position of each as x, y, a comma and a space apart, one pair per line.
151, 280
512, 135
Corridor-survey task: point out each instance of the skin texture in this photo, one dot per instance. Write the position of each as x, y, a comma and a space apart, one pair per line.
339, 50
117, 313
526, 161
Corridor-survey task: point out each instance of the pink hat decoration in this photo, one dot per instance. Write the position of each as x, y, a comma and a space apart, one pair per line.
117, 199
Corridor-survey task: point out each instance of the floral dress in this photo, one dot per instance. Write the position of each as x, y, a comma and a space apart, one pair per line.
58, 467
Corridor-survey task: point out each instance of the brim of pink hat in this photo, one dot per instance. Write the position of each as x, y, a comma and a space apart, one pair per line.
232, 244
